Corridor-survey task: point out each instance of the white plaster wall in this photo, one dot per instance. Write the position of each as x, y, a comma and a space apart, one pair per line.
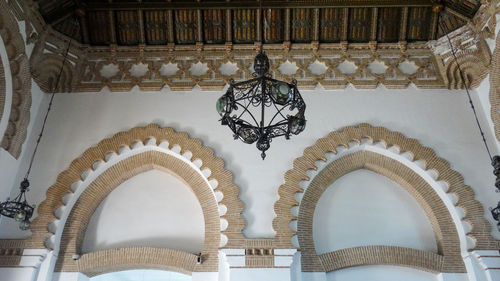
142, 275
440, 119
380, 273
13, 170
152, 209
261, 274
352, 210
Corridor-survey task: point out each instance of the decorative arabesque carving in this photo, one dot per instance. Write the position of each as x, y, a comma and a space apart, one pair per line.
19, 117
46, 70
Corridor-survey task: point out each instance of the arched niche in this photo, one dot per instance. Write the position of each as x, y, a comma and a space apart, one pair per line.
76, 224
71, 201
364, 208
162, 210
457, 218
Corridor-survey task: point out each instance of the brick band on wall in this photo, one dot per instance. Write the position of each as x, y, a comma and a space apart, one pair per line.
101, 262
386, 255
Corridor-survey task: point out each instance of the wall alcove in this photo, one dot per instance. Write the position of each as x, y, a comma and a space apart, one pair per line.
453, 221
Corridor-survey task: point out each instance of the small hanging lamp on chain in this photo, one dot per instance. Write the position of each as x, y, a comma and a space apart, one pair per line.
495, 160
19, 209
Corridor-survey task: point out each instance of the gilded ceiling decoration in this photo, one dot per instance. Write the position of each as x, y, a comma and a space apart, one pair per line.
153, 22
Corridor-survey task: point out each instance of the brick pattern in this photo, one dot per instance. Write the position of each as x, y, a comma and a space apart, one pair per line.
3, 90
98, 190
11, 251
495, 88
19, 117
382, 255
443, 226
128, 167
445, 231
101, 262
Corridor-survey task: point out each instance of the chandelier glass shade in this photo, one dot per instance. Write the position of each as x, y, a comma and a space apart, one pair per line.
262, 108
19, 209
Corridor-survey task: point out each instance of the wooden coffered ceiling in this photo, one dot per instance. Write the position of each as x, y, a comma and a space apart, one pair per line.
162, 22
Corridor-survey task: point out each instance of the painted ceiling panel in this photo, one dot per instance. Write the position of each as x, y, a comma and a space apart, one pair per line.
158, 22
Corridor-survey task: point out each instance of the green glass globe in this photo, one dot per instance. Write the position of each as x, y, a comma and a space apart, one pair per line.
222, 105
19, 216
281, 93
24, 225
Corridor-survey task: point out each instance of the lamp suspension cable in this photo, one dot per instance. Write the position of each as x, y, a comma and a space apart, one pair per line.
466, 86
19, 209
495, 160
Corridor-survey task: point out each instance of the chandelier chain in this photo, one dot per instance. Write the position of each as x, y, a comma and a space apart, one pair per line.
469, 96
50, 104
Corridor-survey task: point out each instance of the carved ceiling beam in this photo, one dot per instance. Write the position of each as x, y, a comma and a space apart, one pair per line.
142, 35
345, 25
373, 31
222, 4
229, 34
83, 25
60, 15
457, 13
316, 25
112, 33
404, 24
434, 24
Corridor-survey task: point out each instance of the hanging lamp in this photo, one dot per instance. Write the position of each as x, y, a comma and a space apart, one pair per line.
262, 108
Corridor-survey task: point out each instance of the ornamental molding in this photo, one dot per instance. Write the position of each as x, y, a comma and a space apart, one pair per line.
152, 68
178, 67
469, 42
289, 212
15, 135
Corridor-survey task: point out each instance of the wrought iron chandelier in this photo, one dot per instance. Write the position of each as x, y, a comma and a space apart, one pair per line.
244, 107
495, 160
19, 209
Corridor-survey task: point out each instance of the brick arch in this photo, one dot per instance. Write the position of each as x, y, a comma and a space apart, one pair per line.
495, 87
3, 89
150, 135
449, 257
15, 135
102, 262
76, 225
474, 213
